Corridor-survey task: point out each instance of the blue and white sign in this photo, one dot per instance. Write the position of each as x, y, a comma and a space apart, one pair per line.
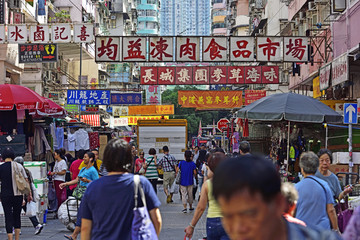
126, 98
88, 97
350, 113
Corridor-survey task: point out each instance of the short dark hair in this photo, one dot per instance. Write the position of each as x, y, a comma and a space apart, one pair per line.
325, 151
8, 152
254, 173
215, 159
165, 149
152, 151
244, 146
187, 155
81, 153
92, 155
117, 156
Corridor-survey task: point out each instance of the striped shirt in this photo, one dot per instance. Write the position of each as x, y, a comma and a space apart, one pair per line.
151, 170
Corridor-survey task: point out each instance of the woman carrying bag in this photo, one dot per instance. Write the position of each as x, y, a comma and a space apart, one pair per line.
86, 175
150, 166
11, 197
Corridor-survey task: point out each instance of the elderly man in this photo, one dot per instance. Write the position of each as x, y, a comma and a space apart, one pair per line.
315, 205
252, 204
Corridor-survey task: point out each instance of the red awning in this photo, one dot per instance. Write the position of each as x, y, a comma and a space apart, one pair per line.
92, 120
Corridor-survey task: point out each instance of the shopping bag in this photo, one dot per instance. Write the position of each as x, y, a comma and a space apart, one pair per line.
31, 209
174, 189
344, 219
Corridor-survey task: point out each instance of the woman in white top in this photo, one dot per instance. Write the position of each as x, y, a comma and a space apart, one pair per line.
59, 176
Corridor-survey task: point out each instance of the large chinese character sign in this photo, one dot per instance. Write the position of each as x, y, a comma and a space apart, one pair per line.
107, 49
88, 97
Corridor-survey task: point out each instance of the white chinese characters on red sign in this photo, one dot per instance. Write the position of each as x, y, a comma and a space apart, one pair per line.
214, 49
39, 33
217, 75
2, 33
161, 49
184, 75
242, 49
166, 75
149, 75
295, 49
236, 75
188, 49
268, 49
201, 75
134, 49
17, 34
61, 33
83, 33
107, 49
253, 75
270, 74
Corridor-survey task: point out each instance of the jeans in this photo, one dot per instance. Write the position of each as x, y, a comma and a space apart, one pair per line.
12, 210
215, 230
201, 182
33, 219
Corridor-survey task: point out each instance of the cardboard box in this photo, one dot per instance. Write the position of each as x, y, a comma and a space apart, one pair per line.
335, 168
343, 157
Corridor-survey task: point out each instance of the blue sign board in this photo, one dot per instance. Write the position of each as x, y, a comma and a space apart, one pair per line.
126, 98
88, 97
350, 113
220, 87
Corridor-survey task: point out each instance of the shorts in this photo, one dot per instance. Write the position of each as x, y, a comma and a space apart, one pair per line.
168, 179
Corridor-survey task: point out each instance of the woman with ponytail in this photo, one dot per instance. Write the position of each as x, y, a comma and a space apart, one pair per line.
58, 175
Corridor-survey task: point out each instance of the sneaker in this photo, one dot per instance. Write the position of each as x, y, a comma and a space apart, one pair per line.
38, 229
184, 210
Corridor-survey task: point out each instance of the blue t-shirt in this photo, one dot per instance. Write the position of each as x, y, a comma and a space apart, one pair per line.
187, 173
89, 173
332, 181
109, 203
311, 206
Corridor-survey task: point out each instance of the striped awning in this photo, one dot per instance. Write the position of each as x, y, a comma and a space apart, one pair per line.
92, 120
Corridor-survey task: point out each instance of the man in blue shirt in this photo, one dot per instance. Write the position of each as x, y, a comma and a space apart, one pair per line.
315, 205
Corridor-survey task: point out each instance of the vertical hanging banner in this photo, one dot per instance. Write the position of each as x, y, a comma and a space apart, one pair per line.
161, 49
84, 33
316, 87
325, 76
107, 49
214, 49
210, 99
188, 49
242, 49
339, 69
61, 33
268, 49
2, 33
253, 95
2, 12
153, 95
134, 49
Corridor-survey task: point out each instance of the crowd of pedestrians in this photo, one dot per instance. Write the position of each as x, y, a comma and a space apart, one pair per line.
251, 204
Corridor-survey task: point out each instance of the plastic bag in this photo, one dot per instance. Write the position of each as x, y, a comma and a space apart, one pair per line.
174, 189
31, 209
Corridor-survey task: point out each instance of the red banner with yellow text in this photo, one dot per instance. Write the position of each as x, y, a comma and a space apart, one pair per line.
210, 99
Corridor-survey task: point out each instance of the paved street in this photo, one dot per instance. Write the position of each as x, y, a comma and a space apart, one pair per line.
174, 222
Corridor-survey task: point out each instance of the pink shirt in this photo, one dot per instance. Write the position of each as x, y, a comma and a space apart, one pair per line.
74, 169
138, 164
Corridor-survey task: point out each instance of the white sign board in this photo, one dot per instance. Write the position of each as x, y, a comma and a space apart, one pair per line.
340, 69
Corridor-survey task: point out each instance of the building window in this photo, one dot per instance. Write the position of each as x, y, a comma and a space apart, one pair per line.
151, 1
218, 1
141, 13
151, 13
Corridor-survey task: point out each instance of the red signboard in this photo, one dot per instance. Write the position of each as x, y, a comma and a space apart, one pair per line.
222, 124
253, 95
209, 75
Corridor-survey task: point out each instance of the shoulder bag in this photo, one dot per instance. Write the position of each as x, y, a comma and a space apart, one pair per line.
142, 227
178, 176
21, 183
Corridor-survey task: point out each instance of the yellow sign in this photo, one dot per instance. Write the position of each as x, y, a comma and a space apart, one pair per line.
316, 88
132, 120
333, 103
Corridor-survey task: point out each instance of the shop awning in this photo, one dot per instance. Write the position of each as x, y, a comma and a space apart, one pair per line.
92, 120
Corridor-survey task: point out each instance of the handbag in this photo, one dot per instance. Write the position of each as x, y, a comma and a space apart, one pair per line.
178, 176
142, 170
142, 227
21, 183
79, 191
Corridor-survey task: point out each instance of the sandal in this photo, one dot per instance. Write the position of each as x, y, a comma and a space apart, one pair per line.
68, 237
184, 210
